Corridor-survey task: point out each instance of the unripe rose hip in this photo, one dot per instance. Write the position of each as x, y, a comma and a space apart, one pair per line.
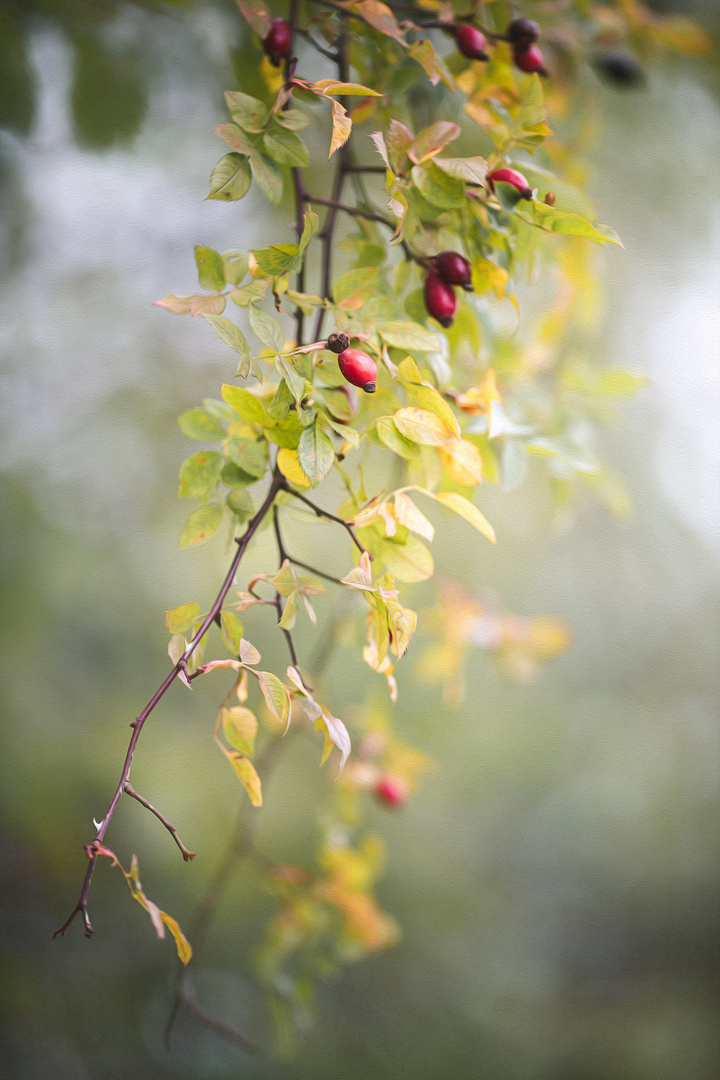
453, 268
510, 176
338, 342
359, 369
278, 42
391, 791
440, 299
471, 42
530, 60
522, 33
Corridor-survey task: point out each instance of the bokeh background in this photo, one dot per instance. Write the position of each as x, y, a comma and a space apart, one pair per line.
556, 876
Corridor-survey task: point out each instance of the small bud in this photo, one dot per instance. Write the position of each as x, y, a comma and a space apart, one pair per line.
550, 198
338, 342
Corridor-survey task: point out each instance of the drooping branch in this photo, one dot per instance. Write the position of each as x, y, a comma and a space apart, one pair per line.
81, 908
186, 853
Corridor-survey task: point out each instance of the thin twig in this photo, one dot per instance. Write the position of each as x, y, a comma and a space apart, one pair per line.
330, 517
278, 482
213, 1024
314, 570
186, 853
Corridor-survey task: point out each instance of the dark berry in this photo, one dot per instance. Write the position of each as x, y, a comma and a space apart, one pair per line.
453, 268
522, 33
338, 342
440, 299
510, 176
619, 69
530, 60
359, 369
278, 42
471, 42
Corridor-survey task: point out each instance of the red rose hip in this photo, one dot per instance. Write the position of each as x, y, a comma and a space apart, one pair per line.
530, 60
359, 369
440, 299
510, 176
391, 791
278, 42
453, 268
471, 42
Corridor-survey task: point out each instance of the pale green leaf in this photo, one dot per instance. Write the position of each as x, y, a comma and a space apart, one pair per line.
245, 404
315, 454
199, 474
230, 179
248, 112
211, 272
180, 619
199, 424
265, 327
201, 525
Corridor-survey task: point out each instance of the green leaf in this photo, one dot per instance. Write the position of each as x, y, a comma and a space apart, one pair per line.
277, 696
353, 289
234, 477
211, 272
250, 293
286, 433
293, 119
230, 179
390, 436
472, 170
247, 774
295, 382
235, 138
438, 187
240, 504
421, 425
236, 266
198, 424
248, 455
553, 220
244, 403
199, 474
180, 619
532, 105
231, 334
232, 630
408, 335
315, 454
310, 227
201, 525
432, 140
286, 148
267, 177
249, 113
408, 560
278, 258
266, 328
239, 726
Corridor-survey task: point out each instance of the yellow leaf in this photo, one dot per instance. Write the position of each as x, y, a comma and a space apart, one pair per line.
289, 466
463, 463
183, 946
342, 126
421, 426
247, 774
240, 728
407, 514
467, 510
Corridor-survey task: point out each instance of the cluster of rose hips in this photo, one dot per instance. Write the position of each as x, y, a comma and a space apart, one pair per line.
522, 35
446, 270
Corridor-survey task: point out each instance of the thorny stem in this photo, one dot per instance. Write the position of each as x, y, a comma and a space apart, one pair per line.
186, 853
137, 725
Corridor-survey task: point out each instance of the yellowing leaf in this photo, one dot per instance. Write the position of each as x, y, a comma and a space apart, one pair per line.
432, 140
277, 696
180, 619
201, 525
467, 510
407, 514
463, 462
336, 734
409, 561
421, 426
332, 86
341, 127
239, 726
289, 466
247, 774
244, 403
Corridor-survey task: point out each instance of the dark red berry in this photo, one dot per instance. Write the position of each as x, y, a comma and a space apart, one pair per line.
510, 176
338, 342
391, 791
440, 299
530, 60
453, 268
522, 33
278, 42
471, 42
359, 369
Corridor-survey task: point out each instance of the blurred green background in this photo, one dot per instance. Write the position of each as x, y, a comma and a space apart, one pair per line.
556, 876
